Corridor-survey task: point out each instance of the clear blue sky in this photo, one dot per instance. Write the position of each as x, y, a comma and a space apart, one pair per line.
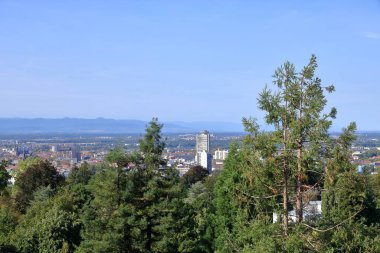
182, 60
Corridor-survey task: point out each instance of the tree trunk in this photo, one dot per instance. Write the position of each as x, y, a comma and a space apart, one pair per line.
299, 207
285, 199
148, 245
285, 173
299, 204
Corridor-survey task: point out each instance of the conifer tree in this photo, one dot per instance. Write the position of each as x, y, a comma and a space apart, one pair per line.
105, 220
133, 201
153, 190
245, 196
346, 193
295, 109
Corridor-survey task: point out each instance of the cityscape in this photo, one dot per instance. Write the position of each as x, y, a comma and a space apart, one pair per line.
65, 152
189, 126
182, 151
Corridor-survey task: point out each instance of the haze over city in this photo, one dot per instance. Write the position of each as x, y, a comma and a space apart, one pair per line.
146, 126
182, 61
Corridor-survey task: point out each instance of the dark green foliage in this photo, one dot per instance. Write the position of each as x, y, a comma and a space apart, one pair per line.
4, 176
345, 195
194, 223
245, 198
43, 193
155, 195
49, 225
80, 175
153, 190
77, 184
225, 201
41, 174
193, 175
103, 217
152, 145
8, 223
350, 237
374, 184
9, 218
134, 201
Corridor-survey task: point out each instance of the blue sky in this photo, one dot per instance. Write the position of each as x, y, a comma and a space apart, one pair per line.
182, 60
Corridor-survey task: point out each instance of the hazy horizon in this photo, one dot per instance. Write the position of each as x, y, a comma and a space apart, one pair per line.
182, 61
177, 126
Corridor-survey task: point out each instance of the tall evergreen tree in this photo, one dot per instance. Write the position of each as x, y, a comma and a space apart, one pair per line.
104, 217
346, 193
133, 201
153, 190
295, 109
256, 180
245, 198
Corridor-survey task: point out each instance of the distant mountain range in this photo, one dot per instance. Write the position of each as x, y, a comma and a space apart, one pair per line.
105, 126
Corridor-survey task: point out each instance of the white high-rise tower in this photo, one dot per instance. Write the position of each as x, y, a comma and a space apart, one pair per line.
202, 150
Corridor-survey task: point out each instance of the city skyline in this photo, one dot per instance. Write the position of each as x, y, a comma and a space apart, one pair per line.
193, 61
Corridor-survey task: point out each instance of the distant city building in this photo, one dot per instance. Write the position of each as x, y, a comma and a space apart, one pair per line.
206, 160
311, 211
220, 154
53, 148
75, 154
18, 150
21, 151
217, 165
203, 142
182, 169
202, 150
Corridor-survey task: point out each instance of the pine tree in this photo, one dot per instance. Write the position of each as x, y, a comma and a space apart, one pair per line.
245, 198
346, 194
295, 109
226, 208
257, 182
105, 220
134, 201
153, 191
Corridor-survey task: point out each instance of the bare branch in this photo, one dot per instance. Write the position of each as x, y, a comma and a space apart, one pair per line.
333, 227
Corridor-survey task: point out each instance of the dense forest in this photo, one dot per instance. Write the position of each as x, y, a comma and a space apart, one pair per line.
134, 202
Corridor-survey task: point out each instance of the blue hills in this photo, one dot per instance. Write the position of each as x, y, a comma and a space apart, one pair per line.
105, 126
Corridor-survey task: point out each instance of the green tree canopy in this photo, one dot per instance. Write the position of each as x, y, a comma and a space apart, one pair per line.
194, 174
38, 174
4, 176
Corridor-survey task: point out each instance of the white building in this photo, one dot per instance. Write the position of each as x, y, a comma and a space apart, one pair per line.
202, 150
203, 142
220, 154
182, 169
206, 160
311, 211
